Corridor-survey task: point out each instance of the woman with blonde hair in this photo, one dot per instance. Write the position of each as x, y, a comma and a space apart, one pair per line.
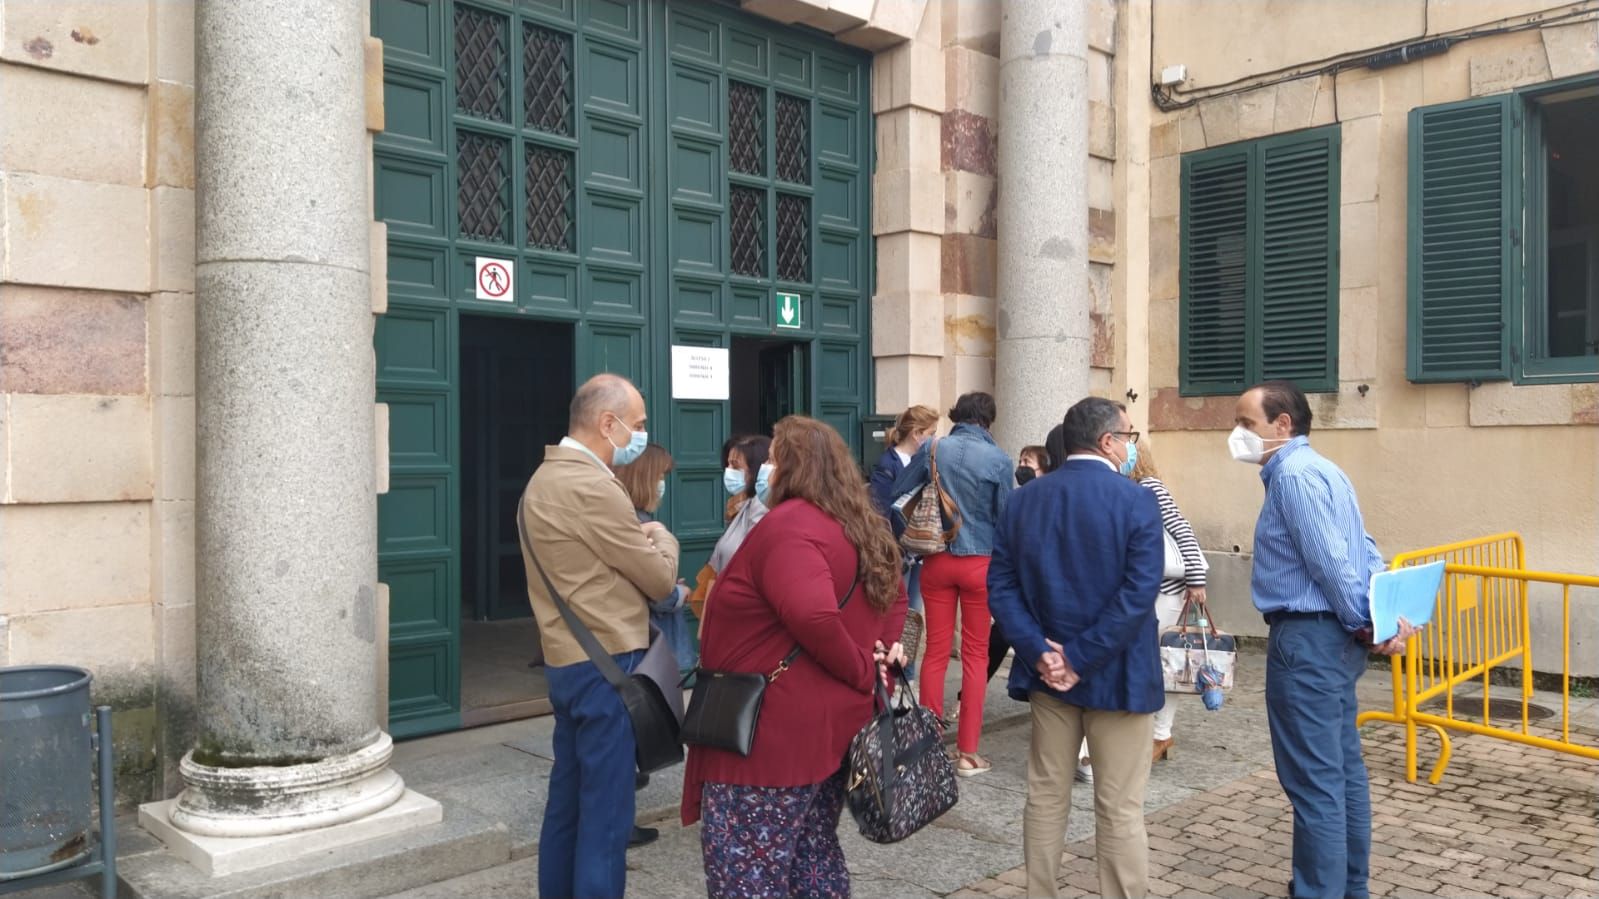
821, 574
1175, 591
914, 427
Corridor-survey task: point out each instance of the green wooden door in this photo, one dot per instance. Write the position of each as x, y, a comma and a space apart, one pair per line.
763, 141
651, 173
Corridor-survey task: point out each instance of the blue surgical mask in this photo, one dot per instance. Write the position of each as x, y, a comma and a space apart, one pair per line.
622, 455
1132, 459
762, 488
734, 481
660, 491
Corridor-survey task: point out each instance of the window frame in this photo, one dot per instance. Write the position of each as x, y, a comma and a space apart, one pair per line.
1255, 150
1529, 339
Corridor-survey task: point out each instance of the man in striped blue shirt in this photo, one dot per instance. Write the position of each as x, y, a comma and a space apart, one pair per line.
1313, 562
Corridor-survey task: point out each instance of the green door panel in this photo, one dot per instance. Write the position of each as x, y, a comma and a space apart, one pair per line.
653, 172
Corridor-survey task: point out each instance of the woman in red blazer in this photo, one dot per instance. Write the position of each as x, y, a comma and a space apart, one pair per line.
771, 818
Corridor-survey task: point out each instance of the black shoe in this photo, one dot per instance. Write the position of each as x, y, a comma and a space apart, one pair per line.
642, 836
640, 781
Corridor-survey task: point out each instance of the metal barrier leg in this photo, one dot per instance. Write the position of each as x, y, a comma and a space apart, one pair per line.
108, 805
1443, 756
1410, 750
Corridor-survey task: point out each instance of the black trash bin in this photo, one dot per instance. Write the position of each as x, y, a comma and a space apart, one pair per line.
45, 761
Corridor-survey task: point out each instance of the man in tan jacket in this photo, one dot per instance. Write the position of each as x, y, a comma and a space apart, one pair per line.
606, 566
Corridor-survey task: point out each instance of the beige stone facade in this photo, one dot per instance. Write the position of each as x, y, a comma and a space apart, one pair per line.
97, 433
97, 360
934, 202
1434, 463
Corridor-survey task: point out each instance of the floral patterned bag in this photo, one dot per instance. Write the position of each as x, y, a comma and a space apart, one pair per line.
898, 778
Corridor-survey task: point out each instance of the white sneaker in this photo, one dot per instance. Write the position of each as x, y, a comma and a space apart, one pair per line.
1085, 771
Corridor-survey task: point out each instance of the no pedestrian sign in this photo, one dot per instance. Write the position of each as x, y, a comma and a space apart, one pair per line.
788, 311
494, 279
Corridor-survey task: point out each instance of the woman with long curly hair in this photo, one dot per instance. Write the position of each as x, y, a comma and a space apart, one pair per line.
823, 574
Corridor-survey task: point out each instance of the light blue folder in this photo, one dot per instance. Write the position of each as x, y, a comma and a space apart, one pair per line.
1408, 593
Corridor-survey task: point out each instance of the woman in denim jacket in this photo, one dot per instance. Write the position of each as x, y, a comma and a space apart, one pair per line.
978, 476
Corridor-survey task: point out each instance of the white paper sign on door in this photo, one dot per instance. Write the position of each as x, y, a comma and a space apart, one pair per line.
699, 373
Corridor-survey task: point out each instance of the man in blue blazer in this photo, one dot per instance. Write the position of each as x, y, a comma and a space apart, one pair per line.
1076, 566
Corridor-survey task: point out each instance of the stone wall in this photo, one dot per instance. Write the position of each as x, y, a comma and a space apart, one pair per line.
935, 196
97, 360
1433, 463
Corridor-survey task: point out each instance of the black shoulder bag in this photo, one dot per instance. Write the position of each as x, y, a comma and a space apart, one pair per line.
651, 694
726, 705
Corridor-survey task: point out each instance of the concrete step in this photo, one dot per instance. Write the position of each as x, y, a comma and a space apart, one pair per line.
463, 842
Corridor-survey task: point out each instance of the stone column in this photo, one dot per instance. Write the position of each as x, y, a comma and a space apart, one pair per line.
1044, 336
286, 515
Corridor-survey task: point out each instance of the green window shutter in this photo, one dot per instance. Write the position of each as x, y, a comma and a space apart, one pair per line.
1299, 259
1215, 272
1464, 224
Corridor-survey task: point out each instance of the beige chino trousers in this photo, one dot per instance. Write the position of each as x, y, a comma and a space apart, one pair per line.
1119, 744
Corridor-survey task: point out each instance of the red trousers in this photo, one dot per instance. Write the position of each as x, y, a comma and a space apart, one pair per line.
947, 582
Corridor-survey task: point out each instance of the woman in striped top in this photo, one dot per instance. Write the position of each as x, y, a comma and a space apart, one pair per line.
1173, 591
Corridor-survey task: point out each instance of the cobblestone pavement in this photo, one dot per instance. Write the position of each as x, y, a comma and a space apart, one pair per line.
1506, 821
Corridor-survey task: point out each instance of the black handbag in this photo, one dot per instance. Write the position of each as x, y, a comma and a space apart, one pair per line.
650, 694
897, 777
726, 705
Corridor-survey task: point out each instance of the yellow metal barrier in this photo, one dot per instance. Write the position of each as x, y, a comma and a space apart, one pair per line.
1480, 622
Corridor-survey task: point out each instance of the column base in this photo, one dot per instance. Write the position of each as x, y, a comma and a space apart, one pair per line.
221, 856
270, 800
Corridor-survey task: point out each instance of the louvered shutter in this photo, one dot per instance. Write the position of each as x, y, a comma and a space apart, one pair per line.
1215, 272
1464, 227
1298, 278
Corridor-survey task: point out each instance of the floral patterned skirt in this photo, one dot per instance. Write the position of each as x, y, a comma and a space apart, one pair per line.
774, 841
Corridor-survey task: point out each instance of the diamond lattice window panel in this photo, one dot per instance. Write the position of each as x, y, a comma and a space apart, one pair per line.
747, 230
793, 139
549, 199
480, 82
547, 80
746, 128
481, 188
793, 238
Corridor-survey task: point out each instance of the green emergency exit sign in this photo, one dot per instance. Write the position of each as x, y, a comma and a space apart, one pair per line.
788, 311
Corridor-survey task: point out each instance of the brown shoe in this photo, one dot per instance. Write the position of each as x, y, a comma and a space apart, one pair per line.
1162, 750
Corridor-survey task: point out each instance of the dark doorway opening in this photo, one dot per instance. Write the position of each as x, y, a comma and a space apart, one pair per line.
770, 379
516, 381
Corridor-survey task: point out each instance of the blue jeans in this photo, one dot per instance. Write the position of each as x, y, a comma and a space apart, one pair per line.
1312, 665
589, 814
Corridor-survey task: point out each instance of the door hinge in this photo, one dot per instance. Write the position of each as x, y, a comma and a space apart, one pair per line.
1515, 237
1515, 355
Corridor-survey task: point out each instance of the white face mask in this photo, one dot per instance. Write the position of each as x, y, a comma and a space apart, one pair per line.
1247, 446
